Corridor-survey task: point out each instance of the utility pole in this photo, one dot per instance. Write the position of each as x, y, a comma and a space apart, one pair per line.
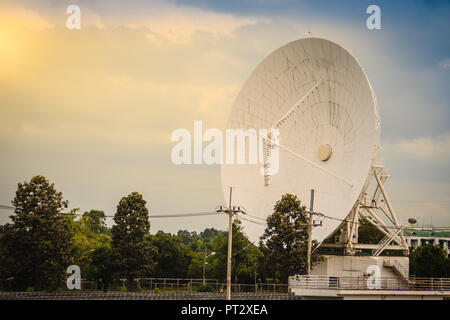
230, 244
310, 223
230, 211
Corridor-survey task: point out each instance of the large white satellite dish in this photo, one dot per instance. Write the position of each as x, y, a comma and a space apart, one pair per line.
319, 98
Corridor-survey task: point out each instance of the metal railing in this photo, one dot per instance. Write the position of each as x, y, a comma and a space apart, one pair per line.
180, 285
361, 283
164, 285
85, 285
214, 285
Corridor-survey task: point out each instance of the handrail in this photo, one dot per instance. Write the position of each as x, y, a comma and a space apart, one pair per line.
397, 267
360, 283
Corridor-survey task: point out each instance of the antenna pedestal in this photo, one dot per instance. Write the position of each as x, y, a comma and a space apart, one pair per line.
377, 210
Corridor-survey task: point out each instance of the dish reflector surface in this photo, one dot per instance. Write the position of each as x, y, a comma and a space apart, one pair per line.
329, 133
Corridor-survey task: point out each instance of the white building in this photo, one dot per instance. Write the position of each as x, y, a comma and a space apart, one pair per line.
415, 238
367, 277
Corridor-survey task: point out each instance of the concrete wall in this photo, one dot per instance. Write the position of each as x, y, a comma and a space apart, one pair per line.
356, 266
417, 296
373, 296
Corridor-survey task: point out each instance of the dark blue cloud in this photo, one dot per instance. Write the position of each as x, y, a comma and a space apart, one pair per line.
345, 9
420, 27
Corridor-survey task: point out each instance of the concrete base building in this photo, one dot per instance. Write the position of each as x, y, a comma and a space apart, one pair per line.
367, 277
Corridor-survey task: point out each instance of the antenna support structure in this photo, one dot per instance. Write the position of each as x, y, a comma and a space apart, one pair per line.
373, 206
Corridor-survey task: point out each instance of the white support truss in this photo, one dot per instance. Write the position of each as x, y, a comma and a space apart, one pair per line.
378, 211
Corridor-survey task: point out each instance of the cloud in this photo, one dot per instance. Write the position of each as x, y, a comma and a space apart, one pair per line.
17, 17
94, 109
428, 202
425, 148
17, 25
165, 19
444, 64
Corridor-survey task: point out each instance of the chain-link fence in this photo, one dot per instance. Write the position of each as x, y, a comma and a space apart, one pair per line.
181, 285
164, 285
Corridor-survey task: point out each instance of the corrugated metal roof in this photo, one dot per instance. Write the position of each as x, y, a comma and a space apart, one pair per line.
427, 233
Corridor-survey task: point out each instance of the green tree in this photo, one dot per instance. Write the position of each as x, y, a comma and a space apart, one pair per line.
95, 221
210, 233
244, 255
368, 233
285, 240
187, 237
6, 258
171, 257
429, 260
131, 252
184, 236
87, 233
100, 268
195, 254
37, 244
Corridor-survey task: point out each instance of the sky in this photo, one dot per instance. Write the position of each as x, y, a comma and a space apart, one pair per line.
93, 109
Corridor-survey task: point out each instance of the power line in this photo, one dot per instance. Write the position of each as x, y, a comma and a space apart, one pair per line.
255, 222
212, 213
255, 217
176, 215
194, 214
394, 228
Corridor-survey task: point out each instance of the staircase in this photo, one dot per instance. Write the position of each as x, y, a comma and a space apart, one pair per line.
398, 268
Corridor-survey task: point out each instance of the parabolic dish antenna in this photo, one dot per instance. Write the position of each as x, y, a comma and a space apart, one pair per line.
319, 98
